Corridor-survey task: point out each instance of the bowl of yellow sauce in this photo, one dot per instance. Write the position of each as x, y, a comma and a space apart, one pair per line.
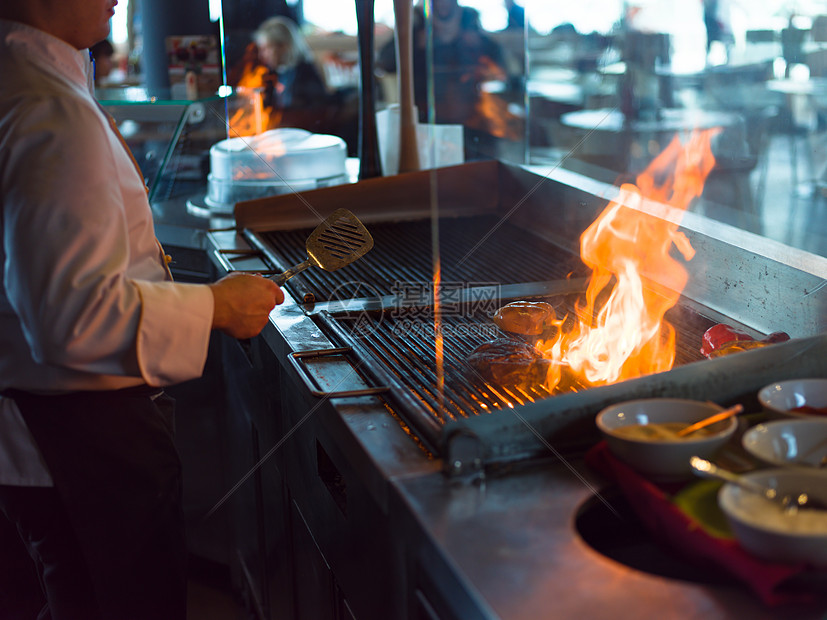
644, 434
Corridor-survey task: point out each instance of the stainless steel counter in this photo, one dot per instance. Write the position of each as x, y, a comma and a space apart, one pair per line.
504, 548
507, 547
513, 544
403, 541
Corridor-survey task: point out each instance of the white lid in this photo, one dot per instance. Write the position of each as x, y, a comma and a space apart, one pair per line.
285, 153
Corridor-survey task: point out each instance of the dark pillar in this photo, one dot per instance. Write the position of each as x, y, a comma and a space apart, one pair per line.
162, 18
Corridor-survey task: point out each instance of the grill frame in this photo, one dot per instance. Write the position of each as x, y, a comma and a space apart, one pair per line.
717, 288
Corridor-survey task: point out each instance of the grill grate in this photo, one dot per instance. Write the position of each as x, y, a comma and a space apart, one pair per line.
397, 345
403, 342
479, 249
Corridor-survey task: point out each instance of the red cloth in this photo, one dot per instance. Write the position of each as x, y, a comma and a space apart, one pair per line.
671, 526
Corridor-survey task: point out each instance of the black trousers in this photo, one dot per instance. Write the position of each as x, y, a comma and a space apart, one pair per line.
109, 538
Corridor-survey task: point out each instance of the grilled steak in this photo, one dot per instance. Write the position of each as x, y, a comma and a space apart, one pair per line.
510, 363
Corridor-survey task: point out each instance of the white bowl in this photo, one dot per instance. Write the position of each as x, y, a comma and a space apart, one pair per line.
663, 459
764, 529
780, 398
790, 442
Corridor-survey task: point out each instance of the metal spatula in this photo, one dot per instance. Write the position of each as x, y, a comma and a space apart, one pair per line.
336, 242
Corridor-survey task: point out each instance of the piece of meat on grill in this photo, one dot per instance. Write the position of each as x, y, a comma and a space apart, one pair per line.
527, 318
509, 363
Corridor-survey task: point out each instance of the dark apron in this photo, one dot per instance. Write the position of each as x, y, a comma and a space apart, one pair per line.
113, 461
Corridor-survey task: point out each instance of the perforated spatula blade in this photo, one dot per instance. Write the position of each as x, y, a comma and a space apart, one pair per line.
338, 241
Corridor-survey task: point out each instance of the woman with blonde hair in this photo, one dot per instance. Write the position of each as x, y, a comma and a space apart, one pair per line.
284, 52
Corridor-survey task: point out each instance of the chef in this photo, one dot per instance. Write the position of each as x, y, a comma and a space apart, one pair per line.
91, 329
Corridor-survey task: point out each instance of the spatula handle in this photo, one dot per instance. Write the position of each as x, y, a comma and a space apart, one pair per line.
281, 278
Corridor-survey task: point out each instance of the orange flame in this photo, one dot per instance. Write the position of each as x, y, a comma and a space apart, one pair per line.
624, 335
439, 341
492, 115
253, 117
491, 112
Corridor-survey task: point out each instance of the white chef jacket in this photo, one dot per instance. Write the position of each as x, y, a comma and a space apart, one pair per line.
86, 299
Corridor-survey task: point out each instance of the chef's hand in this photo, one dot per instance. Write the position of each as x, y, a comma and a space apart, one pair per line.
243, 303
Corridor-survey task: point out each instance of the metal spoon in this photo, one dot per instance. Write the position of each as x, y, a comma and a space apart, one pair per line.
790, 501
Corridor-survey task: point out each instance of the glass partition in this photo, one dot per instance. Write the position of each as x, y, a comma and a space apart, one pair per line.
149, 128
471, 79
611, 83
597, 86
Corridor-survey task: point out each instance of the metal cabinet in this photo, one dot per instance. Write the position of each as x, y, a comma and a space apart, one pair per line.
257, 509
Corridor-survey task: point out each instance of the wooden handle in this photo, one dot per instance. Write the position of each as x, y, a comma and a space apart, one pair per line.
713, 419
408, 151
369, 165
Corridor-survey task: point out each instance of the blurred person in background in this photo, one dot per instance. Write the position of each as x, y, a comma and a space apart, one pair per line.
278, 61
719, 37
293, 77
464, 59
103, 54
